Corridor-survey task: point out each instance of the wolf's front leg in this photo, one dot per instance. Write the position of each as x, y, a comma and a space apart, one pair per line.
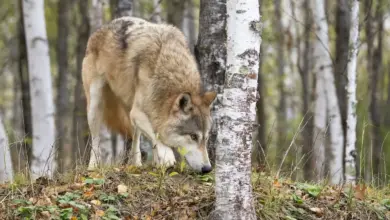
162, 155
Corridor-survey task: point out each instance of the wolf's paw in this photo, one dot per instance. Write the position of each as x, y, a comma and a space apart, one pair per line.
163, 156
93, 163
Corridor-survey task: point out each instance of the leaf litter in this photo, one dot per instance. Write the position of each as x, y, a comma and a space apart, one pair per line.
148, 193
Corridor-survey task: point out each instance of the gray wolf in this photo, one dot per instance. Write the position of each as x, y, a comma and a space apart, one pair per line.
141, 78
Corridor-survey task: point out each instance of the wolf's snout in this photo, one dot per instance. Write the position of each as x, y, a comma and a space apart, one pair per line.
206, 169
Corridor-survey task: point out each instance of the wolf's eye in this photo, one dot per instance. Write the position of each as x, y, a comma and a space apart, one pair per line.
194, 137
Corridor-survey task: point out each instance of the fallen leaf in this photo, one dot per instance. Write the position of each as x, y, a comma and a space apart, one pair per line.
277, 183
73, 218
360, 191
88, 194
46, 214
318, 211
122, 189
99, 213
96, 202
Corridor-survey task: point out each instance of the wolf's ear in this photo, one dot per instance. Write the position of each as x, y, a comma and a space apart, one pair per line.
183, 103
209, 97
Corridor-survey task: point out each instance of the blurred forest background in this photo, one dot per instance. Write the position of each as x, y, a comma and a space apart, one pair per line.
286, 82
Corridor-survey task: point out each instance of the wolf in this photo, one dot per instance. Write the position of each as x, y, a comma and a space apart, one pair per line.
141, 78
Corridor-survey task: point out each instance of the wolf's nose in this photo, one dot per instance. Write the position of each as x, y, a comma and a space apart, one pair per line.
206, 169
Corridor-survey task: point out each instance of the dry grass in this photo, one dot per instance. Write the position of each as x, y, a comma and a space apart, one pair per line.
149, 193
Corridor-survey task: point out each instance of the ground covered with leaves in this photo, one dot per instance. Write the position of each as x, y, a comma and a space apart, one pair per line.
151, 193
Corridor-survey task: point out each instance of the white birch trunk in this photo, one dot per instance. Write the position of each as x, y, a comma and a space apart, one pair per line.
233, 188
350, 152
156, 18
325, 80
6, 168
42, 105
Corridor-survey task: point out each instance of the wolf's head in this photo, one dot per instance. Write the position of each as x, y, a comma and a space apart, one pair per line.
188, 127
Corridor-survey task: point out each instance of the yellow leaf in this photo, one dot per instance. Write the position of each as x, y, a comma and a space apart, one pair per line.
96, 202
73, 218
99, 213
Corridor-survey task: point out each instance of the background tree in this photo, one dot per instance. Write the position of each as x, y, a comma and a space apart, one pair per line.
80, 127
210, 53
350, 149
62, 104
6, 167
327, 108
234, 199
42, 105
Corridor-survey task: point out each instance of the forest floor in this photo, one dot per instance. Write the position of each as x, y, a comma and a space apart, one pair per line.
150, 193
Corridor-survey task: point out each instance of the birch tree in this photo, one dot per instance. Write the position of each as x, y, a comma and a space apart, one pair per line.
6, 168
156, 17
210, 53
326, 103
122, 8
350, 152
42, 105
233, 188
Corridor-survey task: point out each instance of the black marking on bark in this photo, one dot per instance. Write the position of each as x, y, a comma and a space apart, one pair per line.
256, 26
36, 39
240, 11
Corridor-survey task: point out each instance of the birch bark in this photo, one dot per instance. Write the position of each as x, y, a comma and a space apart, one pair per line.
42, 105
6, 168
233, 188
327, 108
350, 151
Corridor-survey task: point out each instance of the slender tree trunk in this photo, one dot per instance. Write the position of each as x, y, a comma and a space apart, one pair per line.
342, 51
327, 108
62, 80
42, 104
260, 148
234, 199
282, 108
26, 155
156, 18
307, 113
80, 122
375, 97
350, 148
188, 25
120, 8
210, 52
370, 47
175, 12
6, 167
341, 62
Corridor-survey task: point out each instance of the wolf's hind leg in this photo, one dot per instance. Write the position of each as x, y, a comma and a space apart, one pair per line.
95, 118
